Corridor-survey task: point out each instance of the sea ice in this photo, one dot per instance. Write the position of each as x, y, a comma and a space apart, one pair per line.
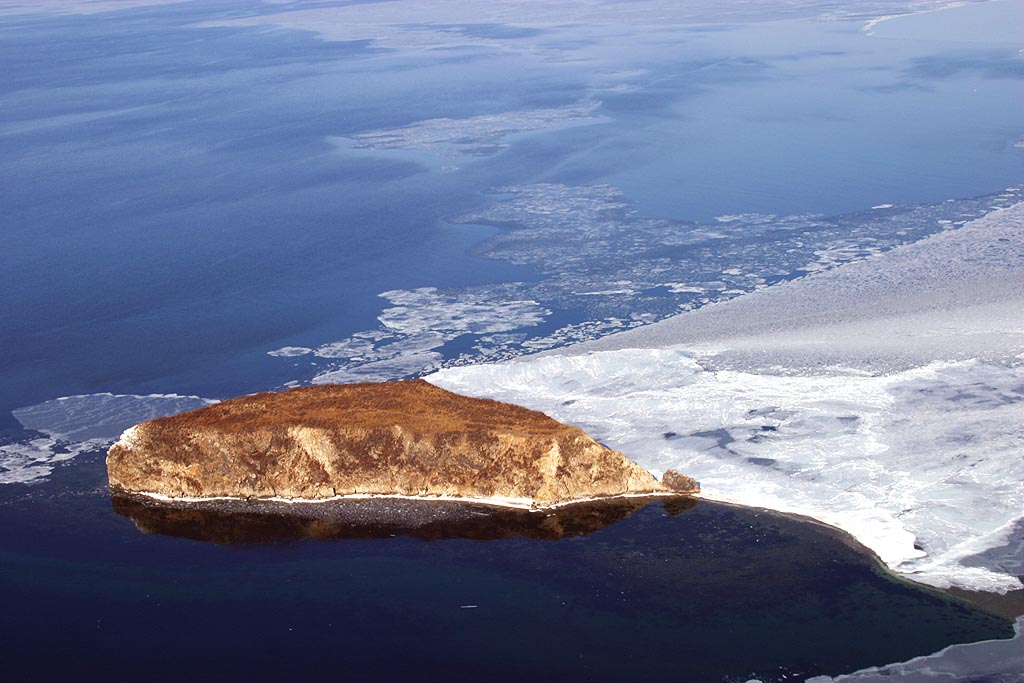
402, 365
417, 324
21, 463
583, 238
990, 661
929, 456
618, 270
477, 135
428, 310
290, 351
73, 425
884, 397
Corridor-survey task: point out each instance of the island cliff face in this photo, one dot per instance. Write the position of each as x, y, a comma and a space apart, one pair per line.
398, 439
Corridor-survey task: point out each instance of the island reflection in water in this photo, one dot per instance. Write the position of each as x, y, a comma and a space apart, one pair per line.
254, 522
598, 593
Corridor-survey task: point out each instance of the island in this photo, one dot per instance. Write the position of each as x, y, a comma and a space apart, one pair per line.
406, 439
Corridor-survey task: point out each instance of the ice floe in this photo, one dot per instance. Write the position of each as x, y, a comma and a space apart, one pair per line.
476, 135
428, 310
290, 351
72, 425
990, 661
404, 364
922, 466
34, 459
585, 238
414, 330
616, 271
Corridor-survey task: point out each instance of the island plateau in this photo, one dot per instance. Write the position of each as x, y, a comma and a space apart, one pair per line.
398, 439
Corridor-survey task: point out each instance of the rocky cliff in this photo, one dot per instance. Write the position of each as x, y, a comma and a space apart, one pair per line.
398, 439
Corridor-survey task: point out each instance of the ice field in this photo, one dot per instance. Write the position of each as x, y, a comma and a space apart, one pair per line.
884, 397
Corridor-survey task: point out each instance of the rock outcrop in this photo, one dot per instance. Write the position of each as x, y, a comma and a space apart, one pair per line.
398, 439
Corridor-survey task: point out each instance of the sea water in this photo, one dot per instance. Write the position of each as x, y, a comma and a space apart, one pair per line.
200, 203
642, 590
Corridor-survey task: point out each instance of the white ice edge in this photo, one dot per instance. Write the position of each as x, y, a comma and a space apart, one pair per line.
985, 660
73, 425
873, 23
111, 394
494, 501
870, 25
839, 450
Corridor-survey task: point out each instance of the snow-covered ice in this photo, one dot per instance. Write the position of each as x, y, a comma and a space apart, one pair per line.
928, 456
72, 425
290, 351
884, 397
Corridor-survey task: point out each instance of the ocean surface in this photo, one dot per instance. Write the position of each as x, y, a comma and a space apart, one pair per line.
629, 590
206, 199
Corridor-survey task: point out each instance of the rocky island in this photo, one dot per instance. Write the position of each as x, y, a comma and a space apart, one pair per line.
399, 439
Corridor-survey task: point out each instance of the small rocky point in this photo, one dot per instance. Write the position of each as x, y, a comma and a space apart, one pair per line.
395, 439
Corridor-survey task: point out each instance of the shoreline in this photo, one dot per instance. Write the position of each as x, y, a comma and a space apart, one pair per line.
499, 502
871, 24
1008, 605
934, 315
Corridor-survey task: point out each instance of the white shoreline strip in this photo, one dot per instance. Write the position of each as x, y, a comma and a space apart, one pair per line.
867, 27
495, 501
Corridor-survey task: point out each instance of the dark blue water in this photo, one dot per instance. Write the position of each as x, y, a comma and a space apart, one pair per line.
661, 591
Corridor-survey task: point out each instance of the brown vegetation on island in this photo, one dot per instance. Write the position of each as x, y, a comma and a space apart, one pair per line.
401, 438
